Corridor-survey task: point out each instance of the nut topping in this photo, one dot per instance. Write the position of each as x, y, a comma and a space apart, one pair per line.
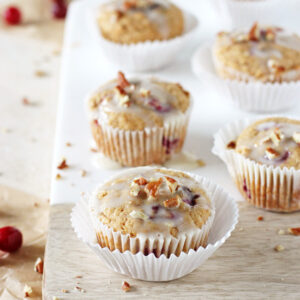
294, 231
276, 136
122, 81
152, 188
272, 153
122, 96
137, 214
63, 164
172, 202
253, 34
296, 137
126, 286
27, 291
145, 93
172, 184
140, 181
39, 266
231, 145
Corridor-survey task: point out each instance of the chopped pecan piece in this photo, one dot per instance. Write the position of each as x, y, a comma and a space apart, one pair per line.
296, 137
276, 136
294, 231
272, 153
27, 291
122, 96
39, 266
172, 184
137, 214
279, 248
63, 164
122, 81
253, 33
231, 145
126, 286
152, 188
172, 202
140, 181
260, 218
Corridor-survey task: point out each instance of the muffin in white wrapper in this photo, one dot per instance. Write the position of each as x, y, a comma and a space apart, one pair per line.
139, 134
269, 187
162, 268
143, 56
248, 96
240, 13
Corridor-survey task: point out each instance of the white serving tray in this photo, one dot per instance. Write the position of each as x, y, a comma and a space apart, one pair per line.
84, 68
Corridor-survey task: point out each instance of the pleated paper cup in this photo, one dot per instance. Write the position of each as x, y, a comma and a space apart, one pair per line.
162, 268
241, 13
268, 187
144, 56
248, 96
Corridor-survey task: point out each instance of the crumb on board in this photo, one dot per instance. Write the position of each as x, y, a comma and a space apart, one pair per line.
279, 248
294, 230
39, 266
126, 286
260, 218
63, 164
58, 176
281, 232
27, 291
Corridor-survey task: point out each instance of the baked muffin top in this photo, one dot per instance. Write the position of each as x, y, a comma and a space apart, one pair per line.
138, 103
152, 201
265, 53
272, 141
134, 21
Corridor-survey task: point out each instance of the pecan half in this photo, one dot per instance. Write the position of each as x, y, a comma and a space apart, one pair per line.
122, 81
294, 231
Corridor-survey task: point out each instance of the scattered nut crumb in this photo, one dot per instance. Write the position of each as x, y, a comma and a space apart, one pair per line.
78, 276
64, 291
93, 150
58, 176
55, 298
281, 232
241, 229
260, 218
200, 163
126, 286
231, 145
36, 204
39, 266
25, 101
27, 290
40, 73
63, 164
83, 173
68, 144
279, 248
78, 288
294, 231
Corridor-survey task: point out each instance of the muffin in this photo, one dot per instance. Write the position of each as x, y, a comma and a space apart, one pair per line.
139, 121
265, 162
135, 21
152, 210
263, 53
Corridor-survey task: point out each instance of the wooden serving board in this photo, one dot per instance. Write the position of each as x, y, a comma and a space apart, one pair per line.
245, 267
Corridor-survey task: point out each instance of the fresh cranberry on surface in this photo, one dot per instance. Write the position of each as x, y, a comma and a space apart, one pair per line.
59, 9
12, 15
10, 239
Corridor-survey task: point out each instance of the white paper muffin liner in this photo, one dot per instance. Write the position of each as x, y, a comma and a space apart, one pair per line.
144, 56
151, 244
139, 148
268, 187
235, 13
149, 267
249, 96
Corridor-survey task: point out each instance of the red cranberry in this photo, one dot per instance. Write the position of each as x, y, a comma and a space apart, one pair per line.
12, 15
59, 9
10, 239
